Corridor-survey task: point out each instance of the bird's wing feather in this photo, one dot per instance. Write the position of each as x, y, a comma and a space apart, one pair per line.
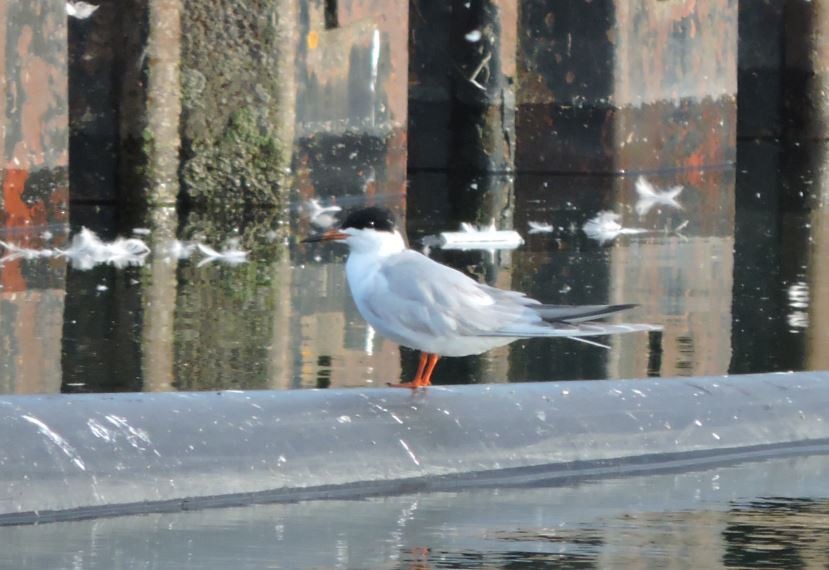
431, 298
435, 299
578, 313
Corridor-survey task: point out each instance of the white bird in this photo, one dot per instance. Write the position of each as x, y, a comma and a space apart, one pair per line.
417, 302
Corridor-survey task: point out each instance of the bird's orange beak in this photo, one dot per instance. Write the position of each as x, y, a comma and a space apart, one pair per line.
330, 235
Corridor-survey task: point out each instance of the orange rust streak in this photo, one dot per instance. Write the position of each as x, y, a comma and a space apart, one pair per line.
695, 161
17, 212
11, 276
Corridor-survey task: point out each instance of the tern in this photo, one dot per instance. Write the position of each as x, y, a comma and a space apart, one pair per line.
422, 304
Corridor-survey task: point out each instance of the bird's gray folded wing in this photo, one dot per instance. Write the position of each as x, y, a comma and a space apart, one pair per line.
438, 300
434, 299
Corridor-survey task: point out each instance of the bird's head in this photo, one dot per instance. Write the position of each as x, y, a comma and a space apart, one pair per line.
365, 230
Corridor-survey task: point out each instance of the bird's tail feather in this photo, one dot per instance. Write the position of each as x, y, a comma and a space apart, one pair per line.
572, 330
576, 313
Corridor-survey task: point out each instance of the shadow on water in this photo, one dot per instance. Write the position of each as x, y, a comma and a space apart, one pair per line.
734, 271
753, 515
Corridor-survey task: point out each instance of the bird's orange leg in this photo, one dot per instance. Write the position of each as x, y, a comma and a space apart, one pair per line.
416, 381
426, 379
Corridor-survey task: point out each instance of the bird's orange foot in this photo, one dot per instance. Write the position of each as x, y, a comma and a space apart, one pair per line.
412, 384
423, 377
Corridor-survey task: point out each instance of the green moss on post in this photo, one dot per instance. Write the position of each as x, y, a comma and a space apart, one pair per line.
237, 100
245, 164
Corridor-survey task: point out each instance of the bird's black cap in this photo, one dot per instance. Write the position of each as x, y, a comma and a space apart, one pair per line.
372, 218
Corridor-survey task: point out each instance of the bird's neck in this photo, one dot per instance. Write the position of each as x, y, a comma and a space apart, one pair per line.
393, 244
378, 245
364, 259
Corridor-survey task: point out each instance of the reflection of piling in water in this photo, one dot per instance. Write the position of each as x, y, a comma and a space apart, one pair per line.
227, 347
33, 115
164, 95
159, 292
806, 70
616, 85
684, 284
462, 90
237, 87
31, 319
817, 355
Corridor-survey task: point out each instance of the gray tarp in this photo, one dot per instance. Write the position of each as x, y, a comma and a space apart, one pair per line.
65, 457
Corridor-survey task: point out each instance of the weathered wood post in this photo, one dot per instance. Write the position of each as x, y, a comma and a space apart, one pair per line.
33, 111
806, 71
237, 100
760, 69
615, 85
34, 143
462, 88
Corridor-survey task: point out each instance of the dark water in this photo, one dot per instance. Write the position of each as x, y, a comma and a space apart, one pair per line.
756, 515
737, 277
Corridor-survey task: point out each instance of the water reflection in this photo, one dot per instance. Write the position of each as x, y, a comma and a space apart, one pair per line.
770, 514
736, 278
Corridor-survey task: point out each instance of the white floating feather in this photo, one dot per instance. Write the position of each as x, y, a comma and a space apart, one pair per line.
87, 250
80, 10
540, 228
17, 252
230, 256
605, 227
650, 196
471, 237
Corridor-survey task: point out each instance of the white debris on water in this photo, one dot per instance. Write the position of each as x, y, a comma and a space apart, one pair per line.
230, 255
798, 294
87, 250
480, 237
323, 217
344, 419
80, 10
56, 439
540, 227
473, 37
17, 252
650, 196
605, 226
141, 231
176, 249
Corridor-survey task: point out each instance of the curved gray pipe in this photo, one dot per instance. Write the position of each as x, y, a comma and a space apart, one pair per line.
64, 457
